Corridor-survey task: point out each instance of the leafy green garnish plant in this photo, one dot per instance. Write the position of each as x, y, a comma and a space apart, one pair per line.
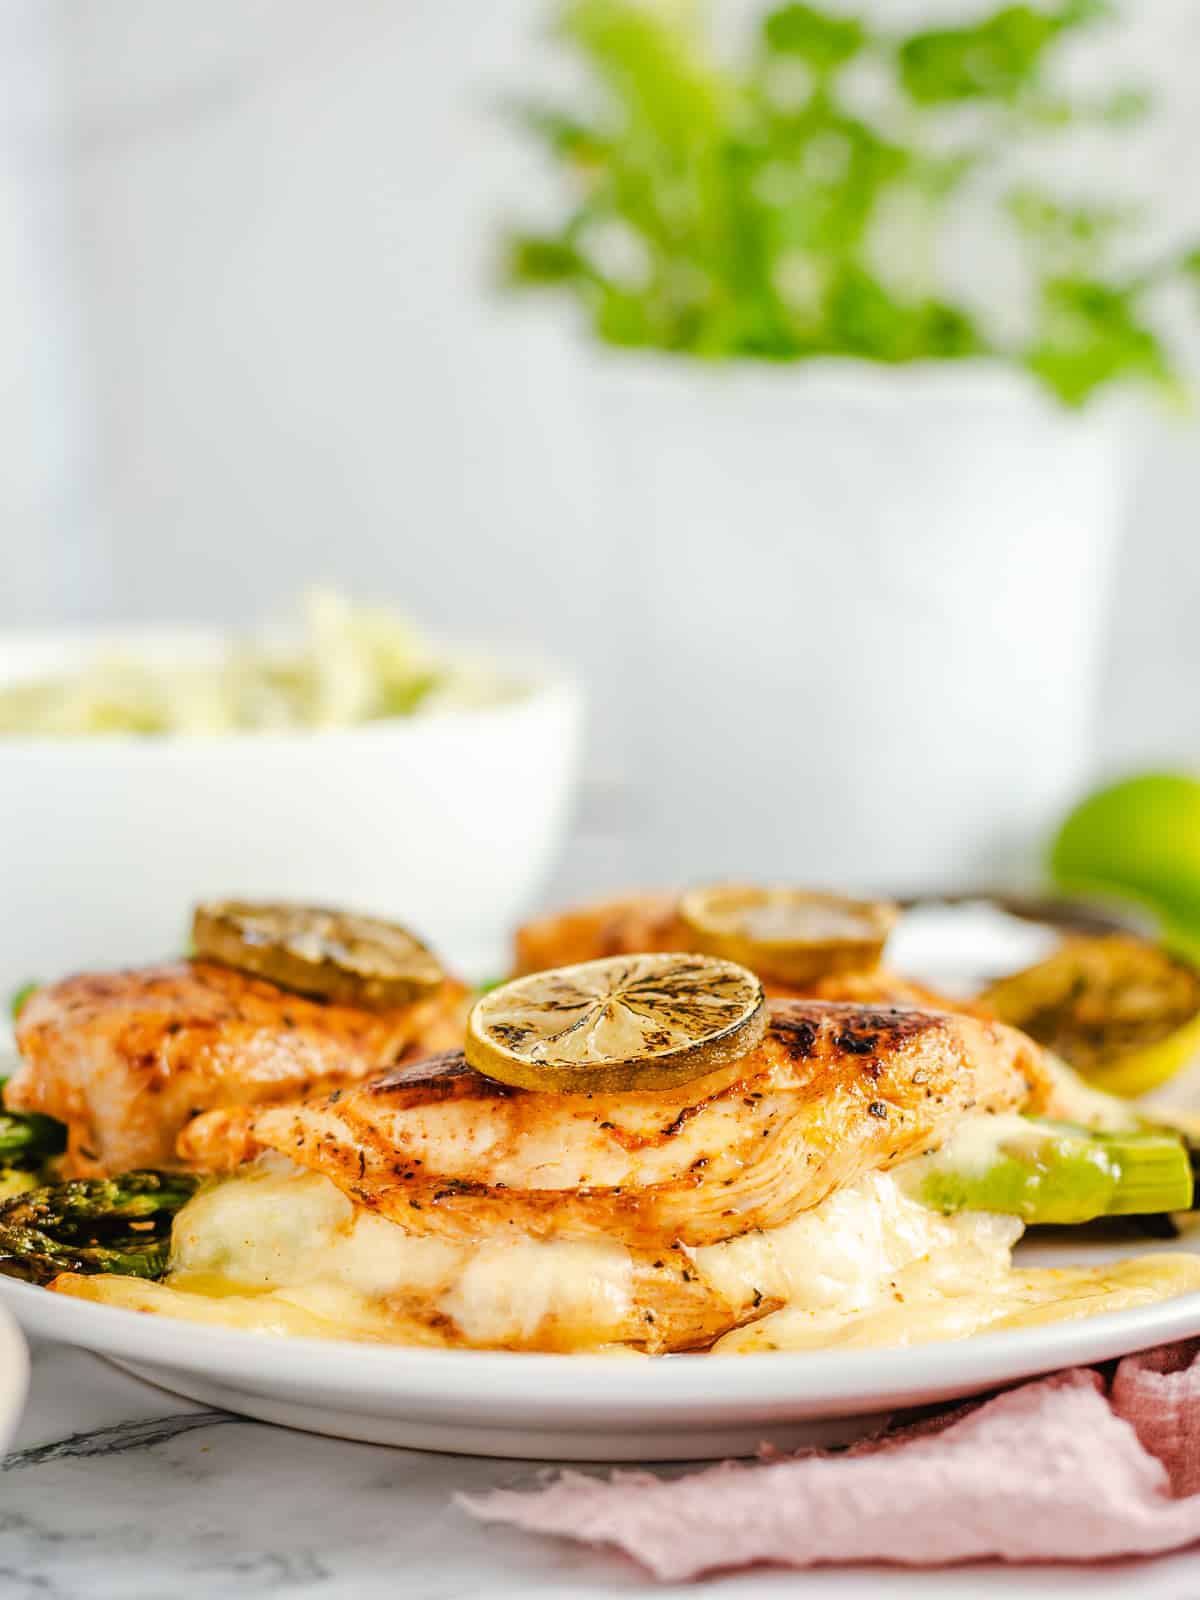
796, 202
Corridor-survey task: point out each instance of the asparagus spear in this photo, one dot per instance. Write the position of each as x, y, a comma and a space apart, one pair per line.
28, 1144
27, 1140
93, 1225
1059, 1173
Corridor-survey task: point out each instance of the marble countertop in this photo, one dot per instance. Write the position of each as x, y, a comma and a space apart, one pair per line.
115, 1490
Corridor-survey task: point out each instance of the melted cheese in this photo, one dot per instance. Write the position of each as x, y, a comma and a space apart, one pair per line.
976, 1144
835, 1258
921, 1304
291, 1235
279, 1249
284, 1231
323, 1313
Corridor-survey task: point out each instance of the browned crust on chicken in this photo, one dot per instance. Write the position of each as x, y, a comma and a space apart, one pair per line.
629, 925
635, 923
835, 1091
126, 1059
881, 987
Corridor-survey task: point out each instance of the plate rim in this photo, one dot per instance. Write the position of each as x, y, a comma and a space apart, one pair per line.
665, 1386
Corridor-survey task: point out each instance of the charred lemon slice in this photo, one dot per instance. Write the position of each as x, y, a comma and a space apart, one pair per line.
1123, 1012
790, 935
355, 961
623, 1023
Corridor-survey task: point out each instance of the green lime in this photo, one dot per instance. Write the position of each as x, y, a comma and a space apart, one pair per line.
1139, 839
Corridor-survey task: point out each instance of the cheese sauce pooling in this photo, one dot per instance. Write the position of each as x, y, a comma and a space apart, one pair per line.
920, 1305
280, 1249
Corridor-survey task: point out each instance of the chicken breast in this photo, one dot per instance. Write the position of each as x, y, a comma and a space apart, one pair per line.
629, 925
635, 923
835, 1091
126, 1059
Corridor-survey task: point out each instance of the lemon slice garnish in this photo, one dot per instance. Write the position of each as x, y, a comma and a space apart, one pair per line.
791, 935
622, 1023
331, 955
1121, 1011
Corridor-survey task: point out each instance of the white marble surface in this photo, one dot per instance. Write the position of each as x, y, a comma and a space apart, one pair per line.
117, 1491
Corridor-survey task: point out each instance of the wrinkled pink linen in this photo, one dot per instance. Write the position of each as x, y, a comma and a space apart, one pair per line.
1066, 1468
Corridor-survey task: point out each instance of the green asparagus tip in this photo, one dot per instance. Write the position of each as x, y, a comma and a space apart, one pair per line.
92, 1225
1062, 1174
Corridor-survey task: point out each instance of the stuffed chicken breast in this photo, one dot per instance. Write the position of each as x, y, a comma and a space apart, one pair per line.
840, 1167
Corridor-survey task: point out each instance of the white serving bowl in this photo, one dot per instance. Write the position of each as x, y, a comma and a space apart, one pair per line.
446, 821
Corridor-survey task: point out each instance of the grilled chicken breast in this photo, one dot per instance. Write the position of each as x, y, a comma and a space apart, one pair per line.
835, 1091
629, 925
637, 923
126, 1059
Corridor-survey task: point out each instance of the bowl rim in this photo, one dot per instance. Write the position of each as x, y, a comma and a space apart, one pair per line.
540, 682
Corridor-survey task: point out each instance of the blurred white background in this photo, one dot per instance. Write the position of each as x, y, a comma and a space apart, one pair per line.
248, 339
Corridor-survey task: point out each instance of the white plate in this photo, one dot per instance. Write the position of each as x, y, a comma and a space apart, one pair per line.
587, 1408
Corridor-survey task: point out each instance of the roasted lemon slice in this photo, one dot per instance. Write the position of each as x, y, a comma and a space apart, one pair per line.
623, 1023
357, 961
1123, 1012
791, 935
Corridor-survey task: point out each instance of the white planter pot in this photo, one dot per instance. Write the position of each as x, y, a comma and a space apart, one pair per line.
863, 611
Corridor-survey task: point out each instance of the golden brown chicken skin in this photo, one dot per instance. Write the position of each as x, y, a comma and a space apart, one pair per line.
635, 923
628, 925
835, 1091
126, 1059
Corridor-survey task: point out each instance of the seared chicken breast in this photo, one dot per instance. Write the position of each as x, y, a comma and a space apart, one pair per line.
765, 1206
126, 1059
635, 923
834, 1091
781, 1201
629, 925
432, 1205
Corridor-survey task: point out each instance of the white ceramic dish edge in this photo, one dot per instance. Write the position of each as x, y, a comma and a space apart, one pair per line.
588, 1408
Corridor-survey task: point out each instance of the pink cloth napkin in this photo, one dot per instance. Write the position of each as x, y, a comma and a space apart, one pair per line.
1067, 1468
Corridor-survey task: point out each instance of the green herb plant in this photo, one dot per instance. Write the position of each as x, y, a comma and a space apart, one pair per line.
795, 202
